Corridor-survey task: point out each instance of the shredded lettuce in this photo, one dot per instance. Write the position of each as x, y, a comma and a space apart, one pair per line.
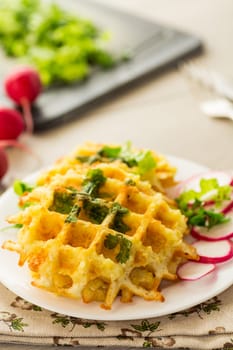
191, 203
64, 47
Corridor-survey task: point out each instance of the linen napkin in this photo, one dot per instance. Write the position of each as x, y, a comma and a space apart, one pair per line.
206, 326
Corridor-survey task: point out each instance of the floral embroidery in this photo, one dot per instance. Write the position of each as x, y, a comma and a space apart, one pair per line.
65, 321
139, 331
25, 305
146, 326
207, 307
13, 322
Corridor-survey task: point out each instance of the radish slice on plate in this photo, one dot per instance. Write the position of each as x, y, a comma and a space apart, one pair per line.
216, 233
192, 271
225, 207
214, 252
193, 183
228, 208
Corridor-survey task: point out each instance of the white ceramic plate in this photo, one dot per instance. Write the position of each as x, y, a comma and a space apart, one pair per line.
178, 296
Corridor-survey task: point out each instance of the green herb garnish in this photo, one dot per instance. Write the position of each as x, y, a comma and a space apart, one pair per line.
110, 152
16, 226
130, 182
118, 224
191, 203
125, 244
73, 215
111, 241
197, 215
21, 187
89, 159
145, 162
95, 210
27, 204
93, 181
142, 160
63, 202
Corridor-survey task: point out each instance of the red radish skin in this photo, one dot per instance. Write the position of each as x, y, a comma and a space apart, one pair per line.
192, 271
11, 124
23, 86
214, 252
228, 208
213, 246
225, 207
24, 83
3, 163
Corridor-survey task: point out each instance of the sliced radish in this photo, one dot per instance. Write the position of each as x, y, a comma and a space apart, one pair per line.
228, 207
216, 233
214, 252
192, 271
193, 183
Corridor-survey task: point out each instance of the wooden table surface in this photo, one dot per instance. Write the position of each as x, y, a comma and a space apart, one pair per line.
162, 113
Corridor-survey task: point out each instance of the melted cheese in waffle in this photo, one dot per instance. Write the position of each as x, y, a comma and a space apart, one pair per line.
95, 240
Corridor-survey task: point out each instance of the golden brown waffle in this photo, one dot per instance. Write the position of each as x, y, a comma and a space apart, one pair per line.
120, 237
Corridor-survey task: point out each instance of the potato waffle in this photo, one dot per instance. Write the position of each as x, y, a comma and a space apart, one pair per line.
95, 230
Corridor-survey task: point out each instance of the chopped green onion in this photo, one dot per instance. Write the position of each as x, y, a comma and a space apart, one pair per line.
125, 244
21, 187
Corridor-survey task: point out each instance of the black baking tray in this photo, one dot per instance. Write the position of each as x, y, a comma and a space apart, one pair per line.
152, 46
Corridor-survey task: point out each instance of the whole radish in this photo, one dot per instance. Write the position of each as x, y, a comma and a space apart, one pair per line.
11, 127
11, 124
3, 163
23, 86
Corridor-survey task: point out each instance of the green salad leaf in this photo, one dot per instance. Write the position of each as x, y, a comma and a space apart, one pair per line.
63, 46
191, 203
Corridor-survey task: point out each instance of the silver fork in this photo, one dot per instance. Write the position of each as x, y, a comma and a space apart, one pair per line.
215, 82
210, 79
